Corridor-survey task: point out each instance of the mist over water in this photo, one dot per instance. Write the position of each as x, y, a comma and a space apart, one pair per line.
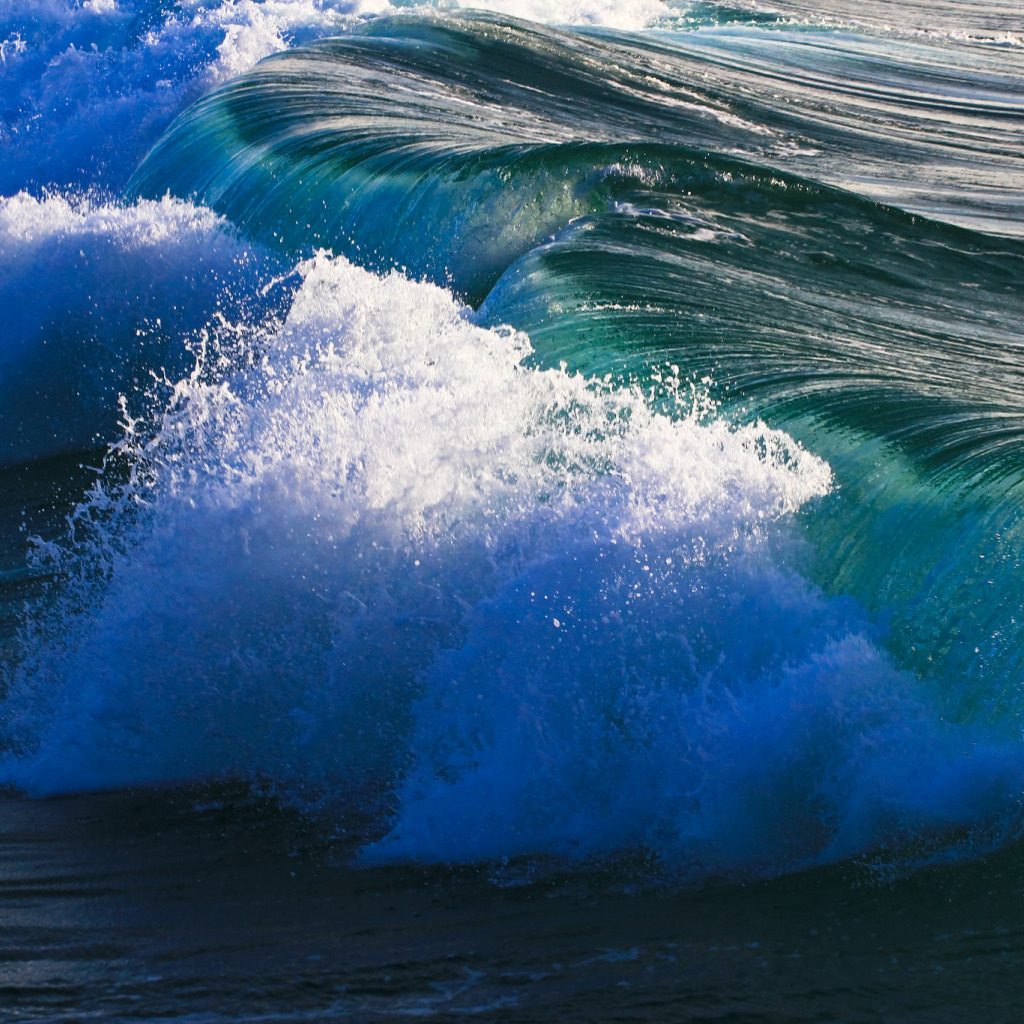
553, 431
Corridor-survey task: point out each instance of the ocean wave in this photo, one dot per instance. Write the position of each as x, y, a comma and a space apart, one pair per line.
89, 87
390, 558
711, 555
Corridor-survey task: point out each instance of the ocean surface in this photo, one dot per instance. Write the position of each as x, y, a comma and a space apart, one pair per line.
511, 513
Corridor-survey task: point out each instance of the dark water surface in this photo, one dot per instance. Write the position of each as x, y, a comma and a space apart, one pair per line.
139, 906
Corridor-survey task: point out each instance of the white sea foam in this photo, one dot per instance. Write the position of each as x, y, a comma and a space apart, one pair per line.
95, 297
89, 87
629, 15
320, 526
389, 555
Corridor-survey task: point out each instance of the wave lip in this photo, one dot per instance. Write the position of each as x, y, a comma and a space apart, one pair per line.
484, 121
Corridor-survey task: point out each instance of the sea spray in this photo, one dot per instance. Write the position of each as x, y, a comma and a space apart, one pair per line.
389, 566
308, 534
99, 298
